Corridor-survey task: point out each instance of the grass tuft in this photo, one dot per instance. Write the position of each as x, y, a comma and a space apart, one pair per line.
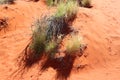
67, 10
46, 36
48, 29
73, 44
39, 36
51, 48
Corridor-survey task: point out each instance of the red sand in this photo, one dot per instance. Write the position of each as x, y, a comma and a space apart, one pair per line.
98, 25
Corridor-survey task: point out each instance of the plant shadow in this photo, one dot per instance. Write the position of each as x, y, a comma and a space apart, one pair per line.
25, 61
62, 65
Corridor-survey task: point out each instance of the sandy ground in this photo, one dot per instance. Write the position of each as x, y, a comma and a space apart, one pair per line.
98, 25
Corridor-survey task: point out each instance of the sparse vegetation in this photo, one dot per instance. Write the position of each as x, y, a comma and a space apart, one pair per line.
46, 42
39, 36
73, 44
67, 10
69, 3
51, 48
45, 36
50, 30
48, 35
7, 1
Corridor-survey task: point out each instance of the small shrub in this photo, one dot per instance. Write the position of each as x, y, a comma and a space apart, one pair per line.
46, 35
48, 30
38, 43
7, 1
71, 10
39, 36
51, 48
86, 3
67, 10
73, 44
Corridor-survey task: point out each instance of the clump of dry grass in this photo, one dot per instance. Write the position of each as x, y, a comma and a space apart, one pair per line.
45, 37
75, 44
39, 35
67, 10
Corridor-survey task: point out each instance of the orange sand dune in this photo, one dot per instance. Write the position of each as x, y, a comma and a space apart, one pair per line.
98, 25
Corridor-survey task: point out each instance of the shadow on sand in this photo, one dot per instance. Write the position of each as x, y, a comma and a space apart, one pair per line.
25, 61
63, 66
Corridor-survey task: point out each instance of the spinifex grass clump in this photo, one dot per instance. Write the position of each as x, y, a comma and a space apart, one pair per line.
39, 45
48, 29
75, 44
45, 36
7, 1
49, 32
59, 23
67, 10
51, 48
39, 36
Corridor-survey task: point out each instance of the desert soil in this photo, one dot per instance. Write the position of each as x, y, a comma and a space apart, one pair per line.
99, 27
